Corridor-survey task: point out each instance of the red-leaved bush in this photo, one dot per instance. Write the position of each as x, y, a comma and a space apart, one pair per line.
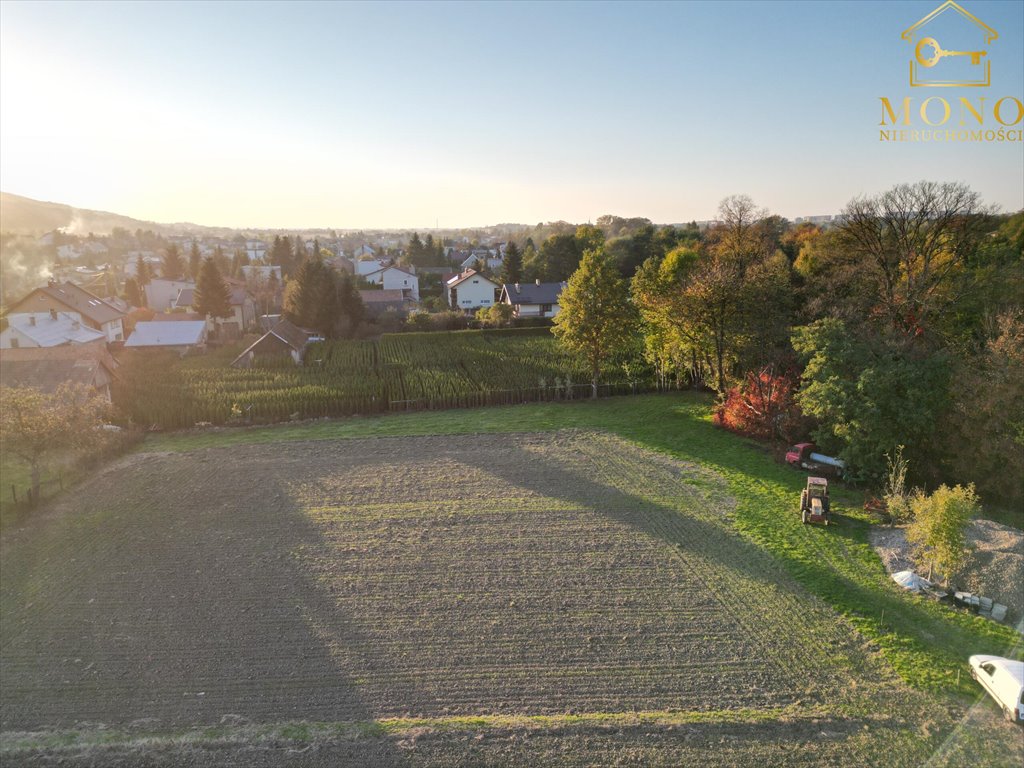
761, 407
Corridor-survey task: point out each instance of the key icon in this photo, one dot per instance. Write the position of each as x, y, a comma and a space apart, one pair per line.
932, 60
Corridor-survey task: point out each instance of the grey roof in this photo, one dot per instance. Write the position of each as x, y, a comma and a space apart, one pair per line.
291, 334
455, 280
285, 331
185, 297
48, 331
167, 333
382, 295
47, 375
532, 293
79, 300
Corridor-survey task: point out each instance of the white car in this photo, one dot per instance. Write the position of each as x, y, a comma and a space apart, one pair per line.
1004, 681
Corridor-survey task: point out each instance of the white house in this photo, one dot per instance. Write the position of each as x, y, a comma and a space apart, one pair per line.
162, 293
469, 291
532, 299
396, 278
491, 262
47, 329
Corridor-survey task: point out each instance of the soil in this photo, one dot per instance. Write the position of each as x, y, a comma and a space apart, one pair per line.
348, 581
995, 568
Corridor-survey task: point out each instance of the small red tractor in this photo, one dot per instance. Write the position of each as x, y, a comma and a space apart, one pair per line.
814, 504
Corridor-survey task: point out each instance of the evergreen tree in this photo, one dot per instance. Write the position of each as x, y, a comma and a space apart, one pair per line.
174, 265
512, 269
415, 252
301, 295
212, 296
281, 255
195, 260
597, 320
142, 273
132, 294
239, 260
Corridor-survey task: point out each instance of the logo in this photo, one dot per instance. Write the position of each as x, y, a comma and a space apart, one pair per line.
934, 66
950, 48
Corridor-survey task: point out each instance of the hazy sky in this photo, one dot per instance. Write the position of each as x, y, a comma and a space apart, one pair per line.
403, 115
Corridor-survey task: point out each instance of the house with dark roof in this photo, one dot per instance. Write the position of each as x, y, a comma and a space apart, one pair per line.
285, 339
532, 299
377, 302
469, 291
67, 297
48, 374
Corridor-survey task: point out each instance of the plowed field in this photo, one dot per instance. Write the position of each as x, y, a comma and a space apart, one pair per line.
463, 593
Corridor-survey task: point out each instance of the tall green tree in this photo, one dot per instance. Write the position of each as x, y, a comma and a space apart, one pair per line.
512, 267
869, 397
323, 300
174, 265
282, 255
132, 293
596, 320
142, 272
212, 295
195, 260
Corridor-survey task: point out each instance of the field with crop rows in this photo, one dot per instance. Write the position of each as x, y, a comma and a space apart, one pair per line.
409, 371
523, 598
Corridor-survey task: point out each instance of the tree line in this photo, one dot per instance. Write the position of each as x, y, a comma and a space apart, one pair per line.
900, 325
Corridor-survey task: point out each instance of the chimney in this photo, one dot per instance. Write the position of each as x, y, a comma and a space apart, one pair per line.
31, 319
538, 281
53, 314
517, 287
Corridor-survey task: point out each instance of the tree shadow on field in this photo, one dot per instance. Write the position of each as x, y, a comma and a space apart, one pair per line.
168, 597
523, 469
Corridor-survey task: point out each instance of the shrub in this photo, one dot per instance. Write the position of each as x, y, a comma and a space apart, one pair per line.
761, 407
937, 532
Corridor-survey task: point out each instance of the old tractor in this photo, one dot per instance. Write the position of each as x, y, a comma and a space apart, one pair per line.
814, 504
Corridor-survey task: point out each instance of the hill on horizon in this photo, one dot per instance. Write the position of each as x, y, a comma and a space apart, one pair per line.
24, 216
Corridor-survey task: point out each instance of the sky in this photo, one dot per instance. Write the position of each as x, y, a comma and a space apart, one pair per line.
415, 115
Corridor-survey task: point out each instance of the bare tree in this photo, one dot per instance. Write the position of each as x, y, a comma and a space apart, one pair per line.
914, 239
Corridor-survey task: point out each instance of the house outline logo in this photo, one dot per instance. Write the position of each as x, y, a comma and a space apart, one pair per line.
928, 54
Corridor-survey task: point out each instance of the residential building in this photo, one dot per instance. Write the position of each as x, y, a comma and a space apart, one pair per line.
285, 339
181, 337
532, 299
48, 374
377, 302
94, 311
47, 329
396, 278
161, 293
470, 290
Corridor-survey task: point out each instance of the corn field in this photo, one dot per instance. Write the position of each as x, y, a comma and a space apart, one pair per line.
408, 371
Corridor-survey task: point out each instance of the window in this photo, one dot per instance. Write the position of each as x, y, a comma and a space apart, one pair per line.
14, 343
545, 307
